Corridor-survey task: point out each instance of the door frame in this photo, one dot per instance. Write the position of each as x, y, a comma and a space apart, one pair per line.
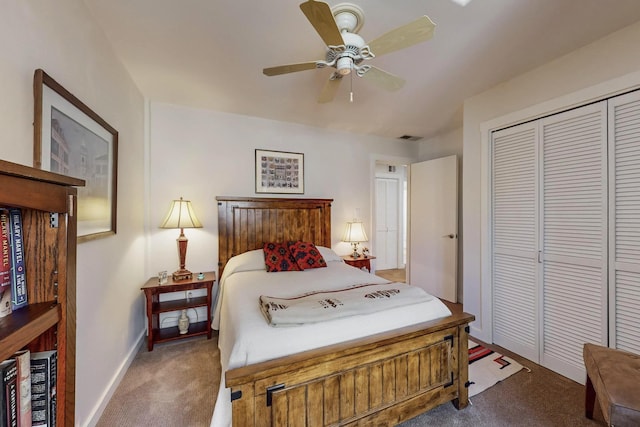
394, 161
400, 224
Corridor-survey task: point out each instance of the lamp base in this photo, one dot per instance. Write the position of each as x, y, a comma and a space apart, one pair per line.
182, 275
355, 253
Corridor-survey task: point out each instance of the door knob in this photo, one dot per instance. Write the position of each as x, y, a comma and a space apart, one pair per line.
451, 236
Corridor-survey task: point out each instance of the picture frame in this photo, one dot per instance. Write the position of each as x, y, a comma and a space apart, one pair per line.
71, 139
279, 172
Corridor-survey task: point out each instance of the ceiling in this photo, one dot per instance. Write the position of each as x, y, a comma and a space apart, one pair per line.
210, 54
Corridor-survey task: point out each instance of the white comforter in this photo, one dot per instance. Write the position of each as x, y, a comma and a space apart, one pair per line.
246, 338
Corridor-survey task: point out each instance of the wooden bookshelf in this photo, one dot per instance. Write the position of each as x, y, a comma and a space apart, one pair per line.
48, 322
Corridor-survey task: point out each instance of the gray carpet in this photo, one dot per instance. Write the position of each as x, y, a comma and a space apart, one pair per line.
176, 385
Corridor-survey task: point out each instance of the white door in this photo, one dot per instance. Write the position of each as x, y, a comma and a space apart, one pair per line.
387, 223
433, 226
549, 238
573, 237
515, 232
624, 222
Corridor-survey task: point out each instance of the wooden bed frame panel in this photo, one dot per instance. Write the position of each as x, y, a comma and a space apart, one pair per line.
382, 379
245, 224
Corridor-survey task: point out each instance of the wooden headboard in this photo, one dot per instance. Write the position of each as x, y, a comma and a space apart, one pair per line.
246, 223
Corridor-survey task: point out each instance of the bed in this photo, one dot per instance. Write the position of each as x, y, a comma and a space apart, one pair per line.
374, 369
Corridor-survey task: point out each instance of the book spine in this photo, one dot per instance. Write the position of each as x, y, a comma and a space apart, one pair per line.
23, 360
19, 281
43, 388
40, 414
5, 264
53, 381
9, 407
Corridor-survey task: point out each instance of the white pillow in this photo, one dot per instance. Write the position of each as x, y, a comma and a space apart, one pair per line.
248, 261
328, 254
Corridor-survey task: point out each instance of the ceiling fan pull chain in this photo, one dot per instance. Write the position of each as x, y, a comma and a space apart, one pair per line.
351, 89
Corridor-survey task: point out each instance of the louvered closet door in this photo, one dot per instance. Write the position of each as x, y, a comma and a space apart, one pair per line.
514, 207
624, 188
574, 237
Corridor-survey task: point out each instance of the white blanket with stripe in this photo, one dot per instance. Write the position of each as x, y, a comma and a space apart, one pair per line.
319, 306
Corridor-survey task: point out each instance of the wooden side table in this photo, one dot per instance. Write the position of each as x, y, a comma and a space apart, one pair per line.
360, 262
152, 290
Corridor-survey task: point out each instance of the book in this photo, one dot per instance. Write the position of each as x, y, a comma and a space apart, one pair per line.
9, 393
43, 388
23, 360
18, 274
5, 264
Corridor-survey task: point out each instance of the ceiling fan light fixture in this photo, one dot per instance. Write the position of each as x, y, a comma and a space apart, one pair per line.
344, 65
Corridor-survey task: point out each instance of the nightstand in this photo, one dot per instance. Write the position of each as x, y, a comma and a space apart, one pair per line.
361, 262
152, 290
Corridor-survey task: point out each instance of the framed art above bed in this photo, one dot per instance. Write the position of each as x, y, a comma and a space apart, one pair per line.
279, 172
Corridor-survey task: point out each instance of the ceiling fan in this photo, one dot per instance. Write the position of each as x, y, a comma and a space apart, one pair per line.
346, 50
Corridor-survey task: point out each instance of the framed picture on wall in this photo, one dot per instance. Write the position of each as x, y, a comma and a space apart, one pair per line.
279, 172
71, 139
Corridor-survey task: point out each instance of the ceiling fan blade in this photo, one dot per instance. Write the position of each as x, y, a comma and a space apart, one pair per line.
330, 88
383, 79
320, 16
291, 68
412, 33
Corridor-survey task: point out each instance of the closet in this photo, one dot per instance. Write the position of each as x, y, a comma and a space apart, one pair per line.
566, 233
624, 222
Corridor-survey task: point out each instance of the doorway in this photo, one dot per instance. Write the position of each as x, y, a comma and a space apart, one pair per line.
390, 220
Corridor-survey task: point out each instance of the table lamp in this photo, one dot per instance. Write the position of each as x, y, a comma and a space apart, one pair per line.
354, 234
181, 215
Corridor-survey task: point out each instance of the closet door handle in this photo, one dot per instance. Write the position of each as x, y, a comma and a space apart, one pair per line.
451, 236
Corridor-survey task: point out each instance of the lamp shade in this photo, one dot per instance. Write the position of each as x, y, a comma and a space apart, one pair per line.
354, 233
181, 215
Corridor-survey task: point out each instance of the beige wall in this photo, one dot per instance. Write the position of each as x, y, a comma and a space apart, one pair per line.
61, 38
607, 66
201, 154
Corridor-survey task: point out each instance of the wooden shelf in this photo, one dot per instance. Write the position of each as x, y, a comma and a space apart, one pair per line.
180, 304
22, 326
48, 322
152, 290
172, 333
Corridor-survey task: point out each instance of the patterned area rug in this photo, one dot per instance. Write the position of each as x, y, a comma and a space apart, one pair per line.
486, 368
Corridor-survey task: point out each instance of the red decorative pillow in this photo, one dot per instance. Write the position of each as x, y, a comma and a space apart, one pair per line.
278, 258
306, 255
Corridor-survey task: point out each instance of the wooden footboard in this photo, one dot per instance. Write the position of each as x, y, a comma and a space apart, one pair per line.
378, 380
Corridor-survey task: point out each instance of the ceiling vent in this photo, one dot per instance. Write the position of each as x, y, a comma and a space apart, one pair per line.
410, 137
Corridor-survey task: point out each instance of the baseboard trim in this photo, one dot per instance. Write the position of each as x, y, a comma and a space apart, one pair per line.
97, 411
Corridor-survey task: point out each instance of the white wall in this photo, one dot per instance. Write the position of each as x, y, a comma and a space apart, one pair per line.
607, 66
61, 38
201, 154
443, 145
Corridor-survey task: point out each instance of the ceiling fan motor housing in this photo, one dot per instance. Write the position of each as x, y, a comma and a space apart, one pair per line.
351, 54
